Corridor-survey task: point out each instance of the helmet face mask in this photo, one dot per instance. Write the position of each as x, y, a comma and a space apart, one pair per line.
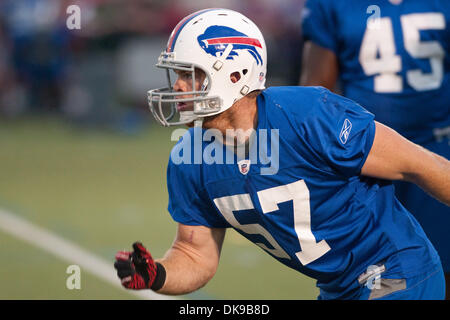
219, 42
163, 102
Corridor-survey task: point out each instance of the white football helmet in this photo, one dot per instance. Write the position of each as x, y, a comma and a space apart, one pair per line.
220, 42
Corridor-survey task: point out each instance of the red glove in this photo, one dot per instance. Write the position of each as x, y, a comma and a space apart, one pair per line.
137, 270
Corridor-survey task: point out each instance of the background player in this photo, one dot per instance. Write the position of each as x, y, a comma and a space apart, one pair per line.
392, 57
327, 211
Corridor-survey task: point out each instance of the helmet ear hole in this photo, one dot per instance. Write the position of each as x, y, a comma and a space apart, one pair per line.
235, 76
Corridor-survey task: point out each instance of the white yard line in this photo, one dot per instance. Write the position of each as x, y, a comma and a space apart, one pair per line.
67, 251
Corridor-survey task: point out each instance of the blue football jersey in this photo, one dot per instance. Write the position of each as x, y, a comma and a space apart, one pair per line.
393, 56
307, 207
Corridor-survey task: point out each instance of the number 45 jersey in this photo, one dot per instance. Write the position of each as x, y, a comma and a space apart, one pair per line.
298, 194
393, 56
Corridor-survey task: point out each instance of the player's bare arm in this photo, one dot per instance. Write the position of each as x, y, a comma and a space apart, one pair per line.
192, 260
319, 66
393, 157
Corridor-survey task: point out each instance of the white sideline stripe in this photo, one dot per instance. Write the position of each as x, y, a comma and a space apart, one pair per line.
70, 252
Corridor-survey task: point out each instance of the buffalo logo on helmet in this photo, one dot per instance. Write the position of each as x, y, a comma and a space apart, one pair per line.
215, 40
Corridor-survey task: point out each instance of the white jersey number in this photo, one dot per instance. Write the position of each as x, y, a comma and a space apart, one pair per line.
377, 54
269, 199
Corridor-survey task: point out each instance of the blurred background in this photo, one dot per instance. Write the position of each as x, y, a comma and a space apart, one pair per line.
82, 159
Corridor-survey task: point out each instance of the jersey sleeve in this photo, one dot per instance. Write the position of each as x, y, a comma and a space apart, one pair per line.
318, 24
341, 133
188, 201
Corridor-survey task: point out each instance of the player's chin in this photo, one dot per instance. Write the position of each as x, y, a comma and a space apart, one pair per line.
207, 122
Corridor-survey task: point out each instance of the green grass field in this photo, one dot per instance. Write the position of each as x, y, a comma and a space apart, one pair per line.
103, 190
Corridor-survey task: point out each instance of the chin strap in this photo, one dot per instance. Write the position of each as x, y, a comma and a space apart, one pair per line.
198, 123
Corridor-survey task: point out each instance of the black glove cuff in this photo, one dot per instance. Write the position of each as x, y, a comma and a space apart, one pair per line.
160, 277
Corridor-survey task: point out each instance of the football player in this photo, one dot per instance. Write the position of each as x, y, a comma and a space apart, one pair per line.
327, 211
392, 57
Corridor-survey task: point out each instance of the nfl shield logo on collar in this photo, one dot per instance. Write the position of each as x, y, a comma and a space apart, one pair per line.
244, 166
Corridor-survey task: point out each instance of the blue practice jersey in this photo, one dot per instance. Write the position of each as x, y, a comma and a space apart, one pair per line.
394, 59
311, 210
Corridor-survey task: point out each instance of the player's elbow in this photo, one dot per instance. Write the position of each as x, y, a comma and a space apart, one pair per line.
205, 268
200, 274
208, 274
200, 267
